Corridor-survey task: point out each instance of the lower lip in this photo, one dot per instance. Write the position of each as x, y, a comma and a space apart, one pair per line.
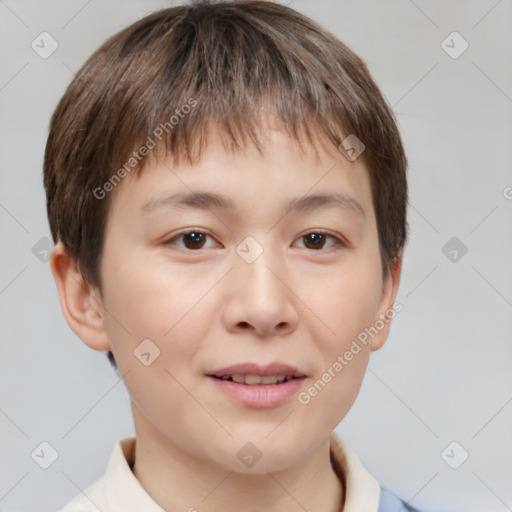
260, 395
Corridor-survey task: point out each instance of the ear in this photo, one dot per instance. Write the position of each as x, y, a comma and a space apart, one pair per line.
387, 308
81, 304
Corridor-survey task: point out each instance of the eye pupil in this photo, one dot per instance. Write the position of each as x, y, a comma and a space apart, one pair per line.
195, 237
316, 238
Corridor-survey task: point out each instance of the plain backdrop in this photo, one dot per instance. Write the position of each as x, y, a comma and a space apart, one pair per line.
444, 375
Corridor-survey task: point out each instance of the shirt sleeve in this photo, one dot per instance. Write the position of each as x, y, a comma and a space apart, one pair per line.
390, 502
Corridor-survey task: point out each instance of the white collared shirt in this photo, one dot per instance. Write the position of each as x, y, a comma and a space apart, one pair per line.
120, 491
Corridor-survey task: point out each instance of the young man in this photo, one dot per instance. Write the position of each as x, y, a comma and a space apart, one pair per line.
226, 190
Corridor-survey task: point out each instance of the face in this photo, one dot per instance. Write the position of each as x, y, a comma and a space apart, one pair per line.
209, 284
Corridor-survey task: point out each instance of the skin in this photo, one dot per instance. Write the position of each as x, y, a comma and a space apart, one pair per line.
207, 308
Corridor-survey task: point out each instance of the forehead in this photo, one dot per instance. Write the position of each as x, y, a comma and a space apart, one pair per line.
287, 175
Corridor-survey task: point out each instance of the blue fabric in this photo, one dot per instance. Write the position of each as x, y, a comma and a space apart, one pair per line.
390, 502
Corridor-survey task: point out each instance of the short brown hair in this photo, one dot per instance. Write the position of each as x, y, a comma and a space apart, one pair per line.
236, 60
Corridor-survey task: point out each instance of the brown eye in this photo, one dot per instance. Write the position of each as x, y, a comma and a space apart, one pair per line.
316, 240
192, 240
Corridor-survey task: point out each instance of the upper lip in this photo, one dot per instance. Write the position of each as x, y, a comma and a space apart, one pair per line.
255, 369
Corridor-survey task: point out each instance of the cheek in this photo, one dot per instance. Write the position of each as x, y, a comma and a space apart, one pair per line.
147, 303
347, 305
156, 327
344, 355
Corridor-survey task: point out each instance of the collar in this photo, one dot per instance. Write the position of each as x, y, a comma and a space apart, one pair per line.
119, 489
362, 491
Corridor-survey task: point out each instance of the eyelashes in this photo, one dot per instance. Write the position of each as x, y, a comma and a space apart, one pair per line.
316, 239
195, 239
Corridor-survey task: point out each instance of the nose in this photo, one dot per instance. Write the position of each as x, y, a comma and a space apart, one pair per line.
260, 298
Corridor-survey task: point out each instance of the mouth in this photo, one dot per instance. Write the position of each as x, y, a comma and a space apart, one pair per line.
251, 374
255, 380
258, 387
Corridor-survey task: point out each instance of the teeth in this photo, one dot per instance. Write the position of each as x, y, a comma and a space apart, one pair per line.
252, 379
257, 379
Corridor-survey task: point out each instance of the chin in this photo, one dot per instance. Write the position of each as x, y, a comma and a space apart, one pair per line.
259, 454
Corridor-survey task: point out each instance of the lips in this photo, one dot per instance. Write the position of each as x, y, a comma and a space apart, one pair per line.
253, 380
258, 387
253, 374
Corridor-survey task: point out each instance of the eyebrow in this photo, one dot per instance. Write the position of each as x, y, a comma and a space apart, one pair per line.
211, 201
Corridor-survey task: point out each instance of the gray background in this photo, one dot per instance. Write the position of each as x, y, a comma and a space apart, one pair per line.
445, 373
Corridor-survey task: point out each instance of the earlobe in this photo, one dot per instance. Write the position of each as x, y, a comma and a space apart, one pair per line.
81, 304
387, 311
